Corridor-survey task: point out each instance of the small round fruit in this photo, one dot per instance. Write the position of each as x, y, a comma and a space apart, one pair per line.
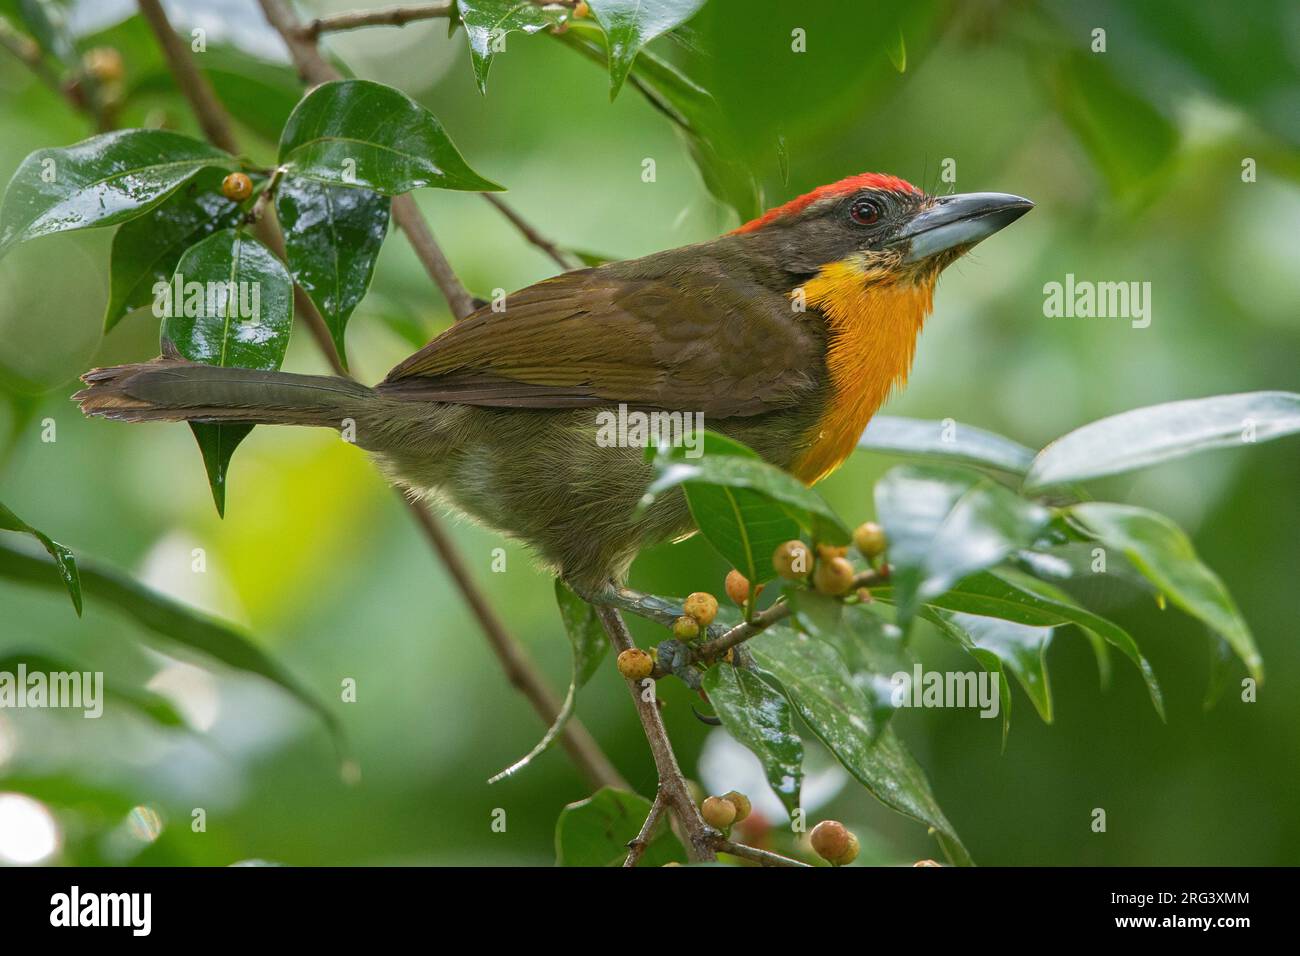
792, 560
830, 840
237, 187
581, 9
737, 587
104, 63
850, 853
686, 628
635, 664
869, 538
740, 802
718, 812
702, 606
834, 576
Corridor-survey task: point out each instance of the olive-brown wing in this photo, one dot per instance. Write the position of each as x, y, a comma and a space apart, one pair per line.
719, 346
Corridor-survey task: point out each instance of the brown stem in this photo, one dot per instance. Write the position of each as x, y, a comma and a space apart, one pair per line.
384, 17
764, 857
532, 235
765, 619
636, 848
520, 671
699, 836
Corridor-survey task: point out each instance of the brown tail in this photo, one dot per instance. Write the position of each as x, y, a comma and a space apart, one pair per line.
172, 389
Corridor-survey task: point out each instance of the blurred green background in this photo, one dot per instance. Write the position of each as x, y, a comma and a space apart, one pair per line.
1134, 157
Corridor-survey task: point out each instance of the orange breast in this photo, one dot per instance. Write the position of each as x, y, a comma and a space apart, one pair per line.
874, 322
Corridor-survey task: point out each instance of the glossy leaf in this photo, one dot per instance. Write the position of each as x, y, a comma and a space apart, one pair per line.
247, 329
937, 440
146, 249
944, 524
1025, 601
488, 21
361, 133
332, 236
596, 831
1163, 553
758, 716
1022, 649
631, 24
101, 181
183, 626
588, 642
65, 563
1157, 433
946, 625
728, 464
821, 690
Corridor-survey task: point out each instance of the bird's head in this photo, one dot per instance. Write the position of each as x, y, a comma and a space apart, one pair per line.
883, 226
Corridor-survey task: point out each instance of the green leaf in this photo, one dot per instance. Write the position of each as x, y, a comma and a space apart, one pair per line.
1163, 553
182, 625
488, 21
728, 464
98, 182
1148, 436
361, 133
1023, 600
596, 831
332, 236
1021, 648
945, 441
631, 24
821, 690
64, 560
759, 717
946, 625
589, 643
146, 249
944, 524
249, 329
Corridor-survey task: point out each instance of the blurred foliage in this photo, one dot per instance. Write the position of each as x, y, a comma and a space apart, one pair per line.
1135, 157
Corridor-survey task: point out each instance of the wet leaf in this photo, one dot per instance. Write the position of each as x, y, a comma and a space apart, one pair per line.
945, 441
332, 236
64, 561
487, 22
596, 831
631, 24
361, 133
759, 717
99, 182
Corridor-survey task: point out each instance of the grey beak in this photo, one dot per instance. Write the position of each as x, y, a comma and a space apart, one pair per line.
960, 220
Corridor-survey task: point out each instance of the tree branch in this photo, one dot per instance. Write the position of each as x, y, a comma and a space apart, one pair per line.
699, 836
556, 254
763, 857
636, 848
520, 671
384, 17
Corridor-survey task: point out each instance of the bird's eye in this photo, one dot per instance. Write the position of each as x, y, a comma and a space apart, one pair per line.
865, 212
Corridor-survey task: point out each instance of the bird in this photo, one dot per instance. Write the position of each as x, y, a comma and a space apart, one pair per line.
786, 334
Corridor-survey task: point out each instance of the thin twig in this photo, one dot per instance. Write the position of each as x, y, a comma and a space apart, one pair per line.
764, 857
699, 836
520, 671
532, 235
765, 619
636, 848
384, 17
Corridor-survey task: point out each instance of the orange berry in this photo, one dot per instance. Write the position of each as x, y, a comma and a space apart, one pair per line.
718, 812
830, 840
702, 606
792, 560
237, 187
635, 664
850, 853
834, 576
740, 802
104, 63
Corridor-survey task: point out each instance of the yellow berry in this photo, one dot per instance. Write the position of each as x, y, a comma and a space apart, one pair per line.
827, 551
581, 10
740, 802
737, 587
718, 812
830, 840
702, 606
237, 187
792, 560
850, 853
635, 664
869, 538
834, 576
104, 63
686, 628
